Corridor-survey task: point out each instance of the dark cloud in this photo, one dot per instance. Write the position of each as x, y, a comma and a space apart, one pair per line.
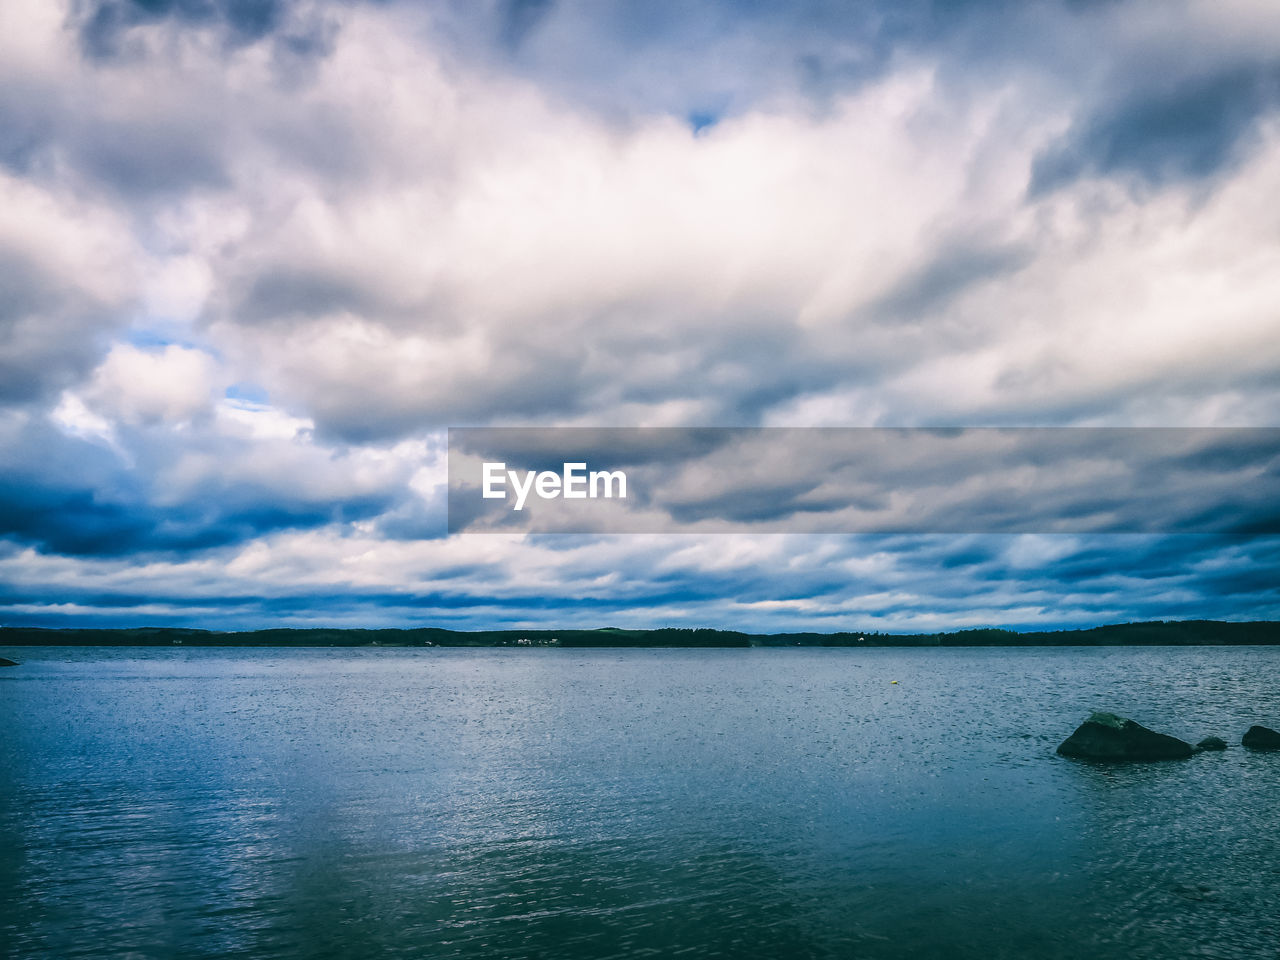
106, 23
52, 330
83, 522
80, 498
298, 32
414, 519
956, 268
847, 583
518, 18
1190, 130
154, 156
286, 292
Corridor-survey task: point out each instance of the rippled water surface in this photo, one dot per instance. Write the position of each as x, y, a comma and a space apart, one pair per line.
159, 803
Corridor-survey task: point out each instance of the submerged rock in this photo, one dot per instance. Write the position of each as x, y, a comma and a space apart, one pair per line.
1261, 738
1212, 743
1104, 736
6, 662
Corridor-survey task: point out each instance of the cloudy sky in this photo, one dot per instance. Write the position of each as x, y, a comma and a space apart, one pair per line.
256, 256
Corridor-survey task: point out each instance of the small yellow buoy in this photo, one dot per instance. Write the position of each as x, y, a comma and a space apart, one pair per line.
893, 681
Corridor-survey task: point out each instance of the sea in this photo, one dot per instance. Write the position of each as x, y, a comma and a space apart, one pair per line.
594, 803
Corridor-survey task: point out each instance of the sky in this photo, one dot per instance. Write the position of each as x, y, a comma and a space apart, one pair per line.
257, 256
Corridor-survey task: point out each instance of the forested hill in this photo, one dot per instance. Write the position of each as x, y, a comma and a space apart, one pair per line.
1155, 633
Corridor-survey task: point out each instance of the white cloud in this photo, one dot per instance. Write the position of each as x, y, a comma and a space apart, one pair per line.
75, 418
173, 384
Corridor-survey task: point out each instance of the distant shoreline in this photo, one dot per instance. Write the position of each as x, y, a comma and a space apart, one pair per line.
1180, 633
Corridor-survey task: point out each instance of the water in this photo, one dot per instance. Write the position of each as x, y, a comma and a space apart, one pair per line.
450, 803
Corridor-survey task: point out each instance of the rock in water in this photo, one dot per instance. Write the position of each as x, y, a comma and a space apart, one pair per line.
6, 662
1212, 743
1104, 736
1261, 738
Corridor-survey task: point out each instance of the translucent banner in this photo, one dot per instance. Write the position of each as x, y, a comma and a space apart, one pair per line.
864, 480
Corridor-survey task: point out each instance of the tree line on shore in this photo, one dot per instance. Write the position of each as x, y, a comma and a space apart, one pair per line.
1151, 633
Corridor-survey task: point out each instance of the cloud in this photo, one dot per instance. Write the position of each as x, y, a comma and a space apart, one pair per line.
170, 385
858, 481
1190, 132
784, 259
66, 273
374, 221
717, 271
104, 487
775, 583
404, 238
108, 29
